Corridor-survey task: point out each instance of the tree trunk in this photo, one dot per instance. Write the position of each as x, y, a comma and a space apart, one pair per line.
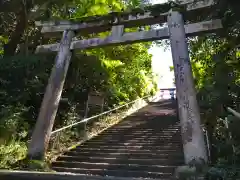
10, 47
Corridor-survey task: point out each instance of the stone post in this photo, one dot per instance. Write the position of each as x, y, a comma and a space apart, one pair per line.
45, 121
192, 133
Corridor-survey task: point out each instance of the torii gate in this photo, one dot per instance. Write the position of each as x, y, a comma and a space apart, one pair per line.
192, 135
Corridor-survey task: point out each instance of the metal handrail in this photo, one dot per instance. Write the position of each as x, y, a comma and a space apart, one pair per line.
85, 120
235, 113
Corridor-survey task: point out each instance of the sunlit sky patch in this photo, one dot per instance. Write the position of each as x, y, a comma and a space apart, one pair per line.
161, 61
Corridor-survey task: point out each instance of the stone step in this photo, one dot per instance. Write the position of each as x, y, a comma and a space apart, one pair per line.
144, 129
107, 166
33, 175
147, 141
112, 150
117, 140
142, 134
122, 160
150, 145
129, 131
137, 139
120, 140
125, 154
135, 136
136, 146
115, 173
139, 124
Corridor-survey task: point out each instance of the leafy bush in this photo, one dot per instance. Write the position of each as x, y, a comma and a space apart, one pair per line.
11, 152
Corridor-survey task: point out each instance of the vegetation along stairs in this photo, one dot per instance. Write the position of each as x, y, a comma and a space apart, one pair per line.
146, 144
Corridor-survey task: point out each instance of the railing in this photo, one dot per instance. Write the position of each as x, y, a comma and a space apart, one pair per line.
232, 111
66, 137
207, 142
237, 115
226, 123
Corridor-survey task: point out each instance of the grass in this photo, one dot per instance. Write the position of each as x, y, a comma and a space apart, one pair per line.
11, 152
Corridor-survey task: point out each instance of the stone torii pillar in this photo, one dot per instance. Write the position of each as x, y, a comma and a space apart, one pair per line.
192, 134
50, 103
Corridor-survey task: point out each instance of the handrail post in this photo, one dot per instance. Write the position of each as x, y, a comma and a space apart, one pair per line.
85, 130
235, 113
230, 138
208, 143
86, 108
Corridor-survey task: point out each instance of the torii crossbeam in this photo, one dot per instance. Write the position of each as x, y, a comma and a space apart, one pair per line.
176, 31
149, 15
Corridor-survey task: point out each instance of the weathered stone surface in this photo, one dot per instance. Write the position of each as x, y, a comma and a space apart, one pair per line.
52, 96
133, 37
192, 134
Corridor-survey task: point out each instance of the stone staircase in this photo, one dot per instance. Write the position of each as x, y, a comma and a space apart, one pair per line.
146, 144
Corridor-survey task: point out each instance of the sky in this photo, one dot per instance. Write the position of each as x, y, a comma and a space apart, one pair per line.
161, 61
